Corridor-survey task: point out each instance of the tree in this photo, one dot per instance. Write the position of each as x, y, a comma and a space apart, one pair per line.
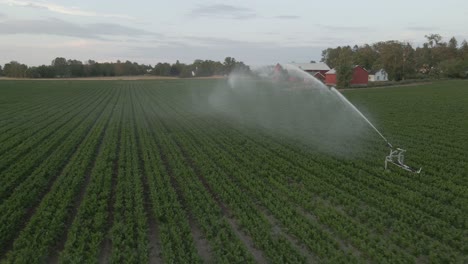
408, 68
92, 68
229, 64
452, 48
119, 68
463, 51
433, 40
108, 69
366, 57
423, 59
187, 71
60, 66
75, 68
176, 68
202, 68
162, 69
453, 68
240, 67
330, 56
344, 68
15, 69
1, 71
45, 71
397, 58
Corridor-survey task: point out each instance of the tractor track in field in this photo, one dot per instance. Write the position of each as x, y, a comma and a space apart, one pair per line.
277, 228
106, 244
34, 108
33, 208
345, 246
202, 244
41, 140
13, 126
48, 153
60, 245
246, 239
277, 154
203, 248
155, 247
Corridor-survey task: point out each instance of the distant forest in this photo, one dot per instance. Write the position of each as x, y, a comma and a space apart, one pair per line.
62, 68
435, 59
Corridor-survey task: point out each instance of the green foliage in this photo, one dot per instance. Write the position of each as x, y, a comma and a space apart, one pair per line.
453, 68
396, 58
330, 56
147, 171
162, 69
366, 56
401, 60
15, 69
61, 67
344, 68
176, 69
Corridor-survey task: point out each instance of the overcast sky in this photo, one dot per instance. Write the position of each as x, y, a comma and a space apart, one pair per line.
256, 32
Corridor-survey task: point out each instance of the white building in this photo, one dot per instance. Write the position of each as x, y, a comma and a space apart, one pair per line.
378, 76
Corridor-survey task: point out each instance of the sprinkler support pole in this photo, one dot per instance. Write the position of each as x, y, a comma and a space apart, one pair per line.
396, 156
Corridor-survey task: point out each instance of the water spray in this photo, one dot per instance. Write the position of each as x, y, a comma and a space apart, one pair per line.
327, 124
343, 99
396, 156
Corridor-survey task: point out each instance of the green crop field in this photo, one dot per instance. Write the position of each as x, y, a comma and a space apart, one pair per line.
143, 171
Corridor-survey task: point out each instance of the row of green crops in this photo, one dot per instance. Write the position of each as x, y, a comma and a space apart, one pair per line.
148, 171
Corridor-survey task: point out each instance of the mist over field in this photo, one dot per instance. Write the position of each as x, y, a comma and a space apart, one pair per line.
298, 107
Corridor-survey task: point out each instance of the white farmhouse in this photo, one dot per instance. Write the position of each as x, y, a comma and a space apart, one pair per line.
378, 76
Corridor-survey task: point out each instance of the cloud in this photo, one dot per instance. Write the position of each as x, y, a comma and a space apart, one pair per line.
250, 53
223, 43
287, 17
226, 11
60, 27
73, 11
427, 29
223, 11
212, 41
343, 28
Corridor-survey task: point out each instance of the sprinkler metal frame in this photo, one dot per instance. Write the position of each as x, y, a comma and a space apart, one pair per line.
397, 157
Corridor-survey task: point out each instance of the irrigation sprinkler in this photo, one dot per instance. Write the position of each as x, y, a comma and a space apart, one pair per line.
397, 157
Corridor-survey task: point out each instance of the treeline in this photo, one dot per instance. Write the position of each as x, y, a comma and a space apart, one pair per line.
435, 59
63, 68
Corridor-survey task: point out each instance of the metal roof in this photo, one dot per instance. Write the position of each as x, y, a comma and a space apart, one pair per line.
312, 66
333, 71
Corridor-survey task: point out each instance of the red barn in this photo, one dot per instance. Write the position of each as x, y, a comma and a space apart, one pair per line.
330, 77
317, 70
360, 76
320, 76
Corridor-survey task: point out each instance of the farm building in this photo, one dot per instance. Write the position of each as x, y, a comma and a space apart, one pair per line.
317, 70
360, 76
319, 76
378, 76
